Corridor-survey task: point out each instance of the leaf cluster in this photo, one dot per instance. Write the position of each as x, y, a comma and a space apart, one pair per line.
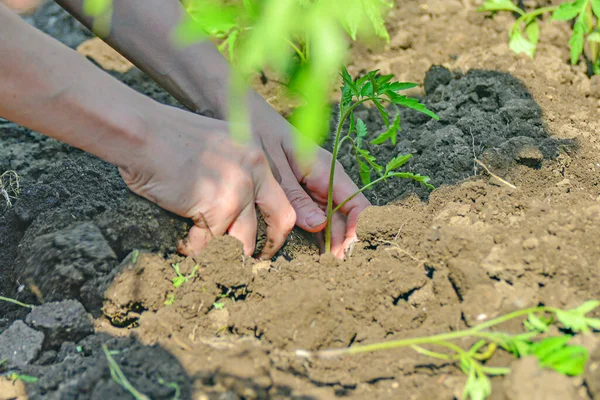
378, 90
525, 32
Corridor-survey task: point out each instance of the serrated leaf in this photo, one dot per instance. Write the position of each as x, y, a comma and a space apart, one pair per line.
576, 41
367, 89
373, 12
371, 160
520, 44
361, 128
390, 133
500, 5
382, 111
398, 86
349, 87
415, 177
397, 162
575, 318
568, 11
364, 171
414, 104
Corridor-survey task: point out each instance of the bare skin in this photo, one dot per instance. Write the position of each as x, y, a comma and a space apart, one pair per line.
198, 76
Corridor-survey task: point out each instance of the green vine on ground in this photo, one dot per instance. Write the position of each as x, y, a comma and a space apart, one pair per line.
553, 352
525, 32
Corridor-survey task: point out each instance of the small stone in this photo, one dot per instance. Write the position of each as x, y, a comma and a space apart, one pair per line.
564, 182
530, 156
61, 321
20, 345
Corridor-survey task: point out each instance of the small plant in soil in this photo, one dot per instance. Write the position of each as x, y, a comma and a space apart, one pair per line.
179, 280
377, 90
9, 187
552, 351
525, 32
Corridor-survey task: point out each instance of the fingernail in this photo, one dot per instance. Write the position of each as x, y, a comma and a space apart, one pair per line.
315, 219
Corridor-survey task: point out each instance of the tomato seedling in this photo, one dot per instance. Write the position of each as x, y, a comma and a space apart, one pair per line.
377, 90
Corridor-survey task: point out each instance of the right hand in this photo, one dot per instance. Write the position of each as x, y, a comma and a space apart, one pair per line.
189, 165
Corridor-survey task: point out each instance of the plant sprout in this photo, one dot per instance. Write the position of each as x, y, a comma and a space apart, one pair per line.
525, 32
552, 352
377, 90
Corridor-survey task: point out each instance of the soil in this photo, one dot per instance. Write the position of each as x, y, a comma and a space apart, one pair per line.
100, 260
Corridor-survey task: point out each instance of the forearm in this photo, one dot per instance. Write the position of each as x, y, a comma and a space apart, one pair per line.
51, 89
196, 75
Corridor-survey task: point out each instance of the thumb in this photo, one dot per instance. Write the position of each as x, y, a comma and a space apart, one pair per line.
308, 214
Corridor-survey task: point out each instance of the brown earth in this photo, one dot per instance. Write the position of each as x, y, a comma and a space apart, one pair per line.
471, 250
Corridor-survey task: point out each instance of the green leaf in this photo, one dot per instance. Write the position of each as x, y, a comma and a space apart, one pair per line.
478, 386
410, 102
416, 177
398, 86
348, 89
500, 5
397, 162
555, 353
568, 11
548, 346
390, 133
382, 111
576, 41
364, 171
575, 318
520, 44
371, 160
372, 9
532, 30
535, 323
587, 307
361, 128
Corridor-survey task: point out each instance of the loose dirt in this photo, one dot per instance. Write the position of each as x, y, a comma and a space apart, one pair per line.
427, 261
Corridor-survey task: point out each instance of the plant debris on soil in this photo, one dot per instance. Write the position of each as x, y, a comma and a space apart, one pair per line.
97, 261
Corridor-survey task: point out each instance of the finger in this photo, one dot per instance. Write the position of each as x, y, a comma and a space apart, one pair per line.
277, 212
343, 188
309, 216
338, 234
199, 235
244, 229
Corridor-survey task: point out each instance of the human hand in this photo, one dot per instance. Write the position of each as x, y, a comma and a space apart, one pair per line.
191, 167
307, 190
